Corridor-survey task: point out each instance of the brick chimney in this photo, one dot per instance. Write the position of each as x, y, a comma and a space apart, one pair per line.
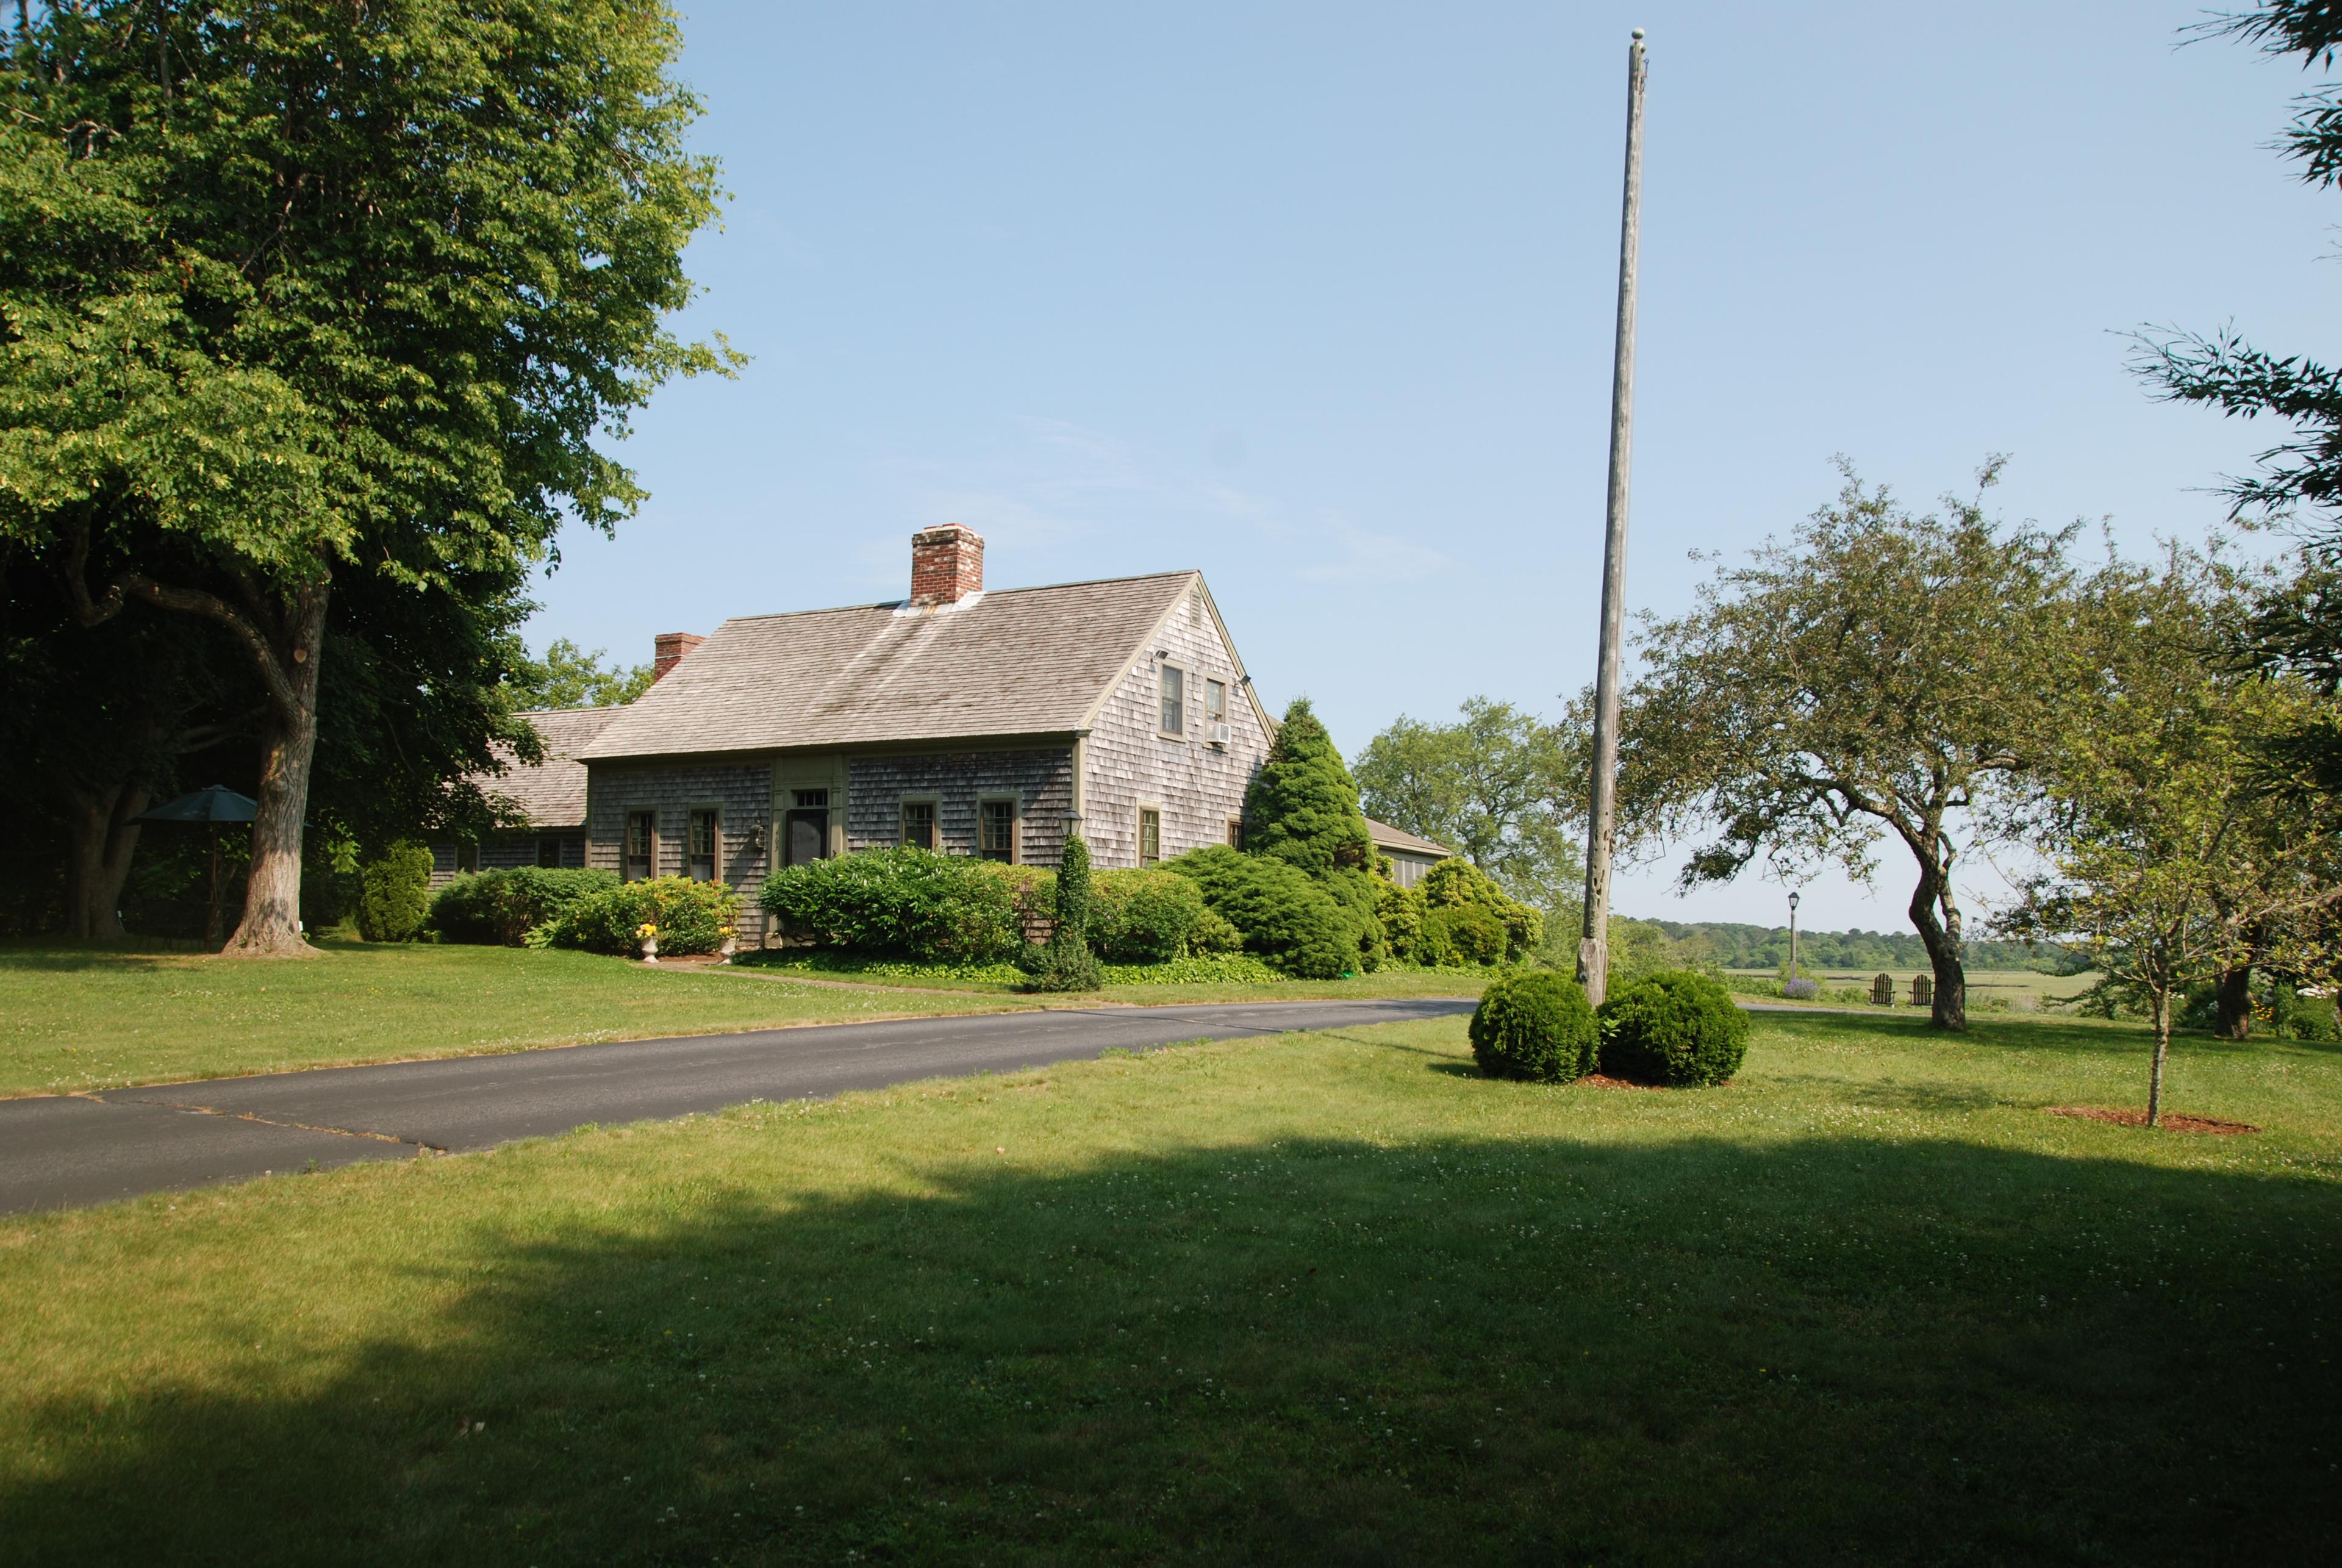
671, 647
947, 564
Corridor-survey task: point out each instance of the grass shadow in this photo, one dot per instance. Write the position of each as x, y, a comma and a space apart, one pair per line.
1339, 1351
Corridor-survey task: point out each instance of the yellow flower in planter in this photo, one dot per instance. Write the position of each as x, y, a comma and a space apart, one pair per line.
646, 930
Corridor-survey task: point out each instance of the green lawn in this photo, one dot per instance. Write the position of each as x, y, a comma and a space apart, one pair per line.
2023, 990
81, 1018
88, 1018
1325, 1298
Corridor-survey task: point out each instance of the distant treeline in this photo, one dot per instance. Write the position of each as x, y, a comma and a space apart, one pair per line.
1767, 947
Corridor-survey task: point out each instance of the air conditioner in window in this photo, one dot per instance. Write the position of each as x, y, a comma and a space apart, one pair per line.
1216, 733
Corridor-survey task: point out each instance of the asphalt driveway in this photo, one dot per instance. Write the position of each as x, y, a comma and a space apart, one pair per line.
66, 1151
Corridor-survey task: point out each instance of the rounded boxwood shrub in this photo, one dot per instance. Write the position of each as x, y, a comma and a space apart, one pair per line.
500, 908
1675, 1028
1286, 916
1537, 1026
691, 917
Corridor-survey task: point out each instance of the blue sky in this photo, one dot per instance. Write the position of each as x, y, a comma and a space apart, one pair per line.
1318, 298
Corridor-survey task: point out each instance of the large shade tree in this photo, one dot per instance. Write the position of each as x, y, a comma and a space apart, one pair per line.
1501, 787
299, 296
1880, 675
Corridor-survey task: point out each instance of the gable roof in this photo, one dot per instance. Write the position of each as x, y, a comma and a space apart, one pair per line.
1020, 662
553, 792
1387, 837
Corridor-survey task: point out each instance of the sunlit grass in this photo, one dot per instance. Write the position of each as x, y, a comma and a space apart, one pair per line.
1331, 1297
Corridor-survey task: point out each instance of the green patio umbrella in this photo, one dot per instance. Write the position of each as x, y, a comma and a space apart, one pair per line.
211, 806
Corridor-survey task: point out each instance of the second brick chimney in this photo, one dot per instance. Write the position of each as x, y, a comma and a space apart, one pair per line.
671, 646
947, 564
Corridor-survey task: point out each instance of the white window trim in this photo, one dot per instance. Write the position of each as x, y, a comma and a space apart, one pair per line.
1186, 700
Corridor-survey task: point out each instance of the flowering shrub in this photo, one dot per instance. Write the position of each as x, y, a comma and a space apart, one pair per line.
687, 916
1801, 988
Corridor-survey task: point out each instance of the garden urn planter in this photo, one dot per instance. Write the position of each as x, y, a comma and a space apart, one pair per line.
650, 950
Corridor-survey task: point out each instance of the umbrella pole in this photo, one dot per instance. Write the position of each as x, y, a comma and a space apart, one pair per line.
212, 937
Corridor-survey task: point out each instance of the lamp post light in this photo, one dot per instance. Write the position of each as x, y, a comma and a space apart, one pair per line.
1793, 936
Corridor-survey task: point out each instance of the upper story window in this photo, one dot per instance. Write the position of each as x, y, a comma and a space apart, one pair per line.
1235, 833
997, 830
1174, 687
920, 823
1215, 701
1150, 836
699, 854
642, 845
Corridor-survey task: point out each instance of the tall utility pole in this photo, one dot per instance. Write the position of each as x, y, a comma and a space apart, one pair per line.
1602, 824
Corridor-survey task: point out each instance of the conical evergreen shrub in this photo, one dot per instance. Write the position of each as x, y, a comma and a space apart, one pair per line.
1303, 809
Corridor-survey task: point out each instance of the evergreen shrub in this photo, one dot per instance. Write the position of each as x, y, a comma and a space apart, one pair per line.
1458, 883
1400, 912
1677, 1028
500, 908
907, 902
1460, 934
1285, 916
395, 894
1536, 1024
1065, 962
691, 917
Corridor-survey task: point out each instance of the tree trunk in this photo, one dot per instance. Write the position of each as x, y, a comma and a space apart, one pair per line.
2235, 998
101, 839
271, 927
1941, 935
2161, 1008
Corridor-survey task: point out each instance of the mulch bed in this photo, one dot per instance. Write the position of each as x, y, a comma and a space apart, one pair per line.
1604, 1080
2138, 1119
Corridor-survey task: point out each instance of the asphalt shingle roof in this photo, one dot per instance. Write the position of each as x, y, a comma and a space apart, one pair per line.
1389, 837
553, 792
1023, 661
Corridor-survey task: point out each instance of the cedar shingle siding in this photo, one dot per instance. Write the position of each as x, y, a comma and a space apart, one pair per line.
995, 695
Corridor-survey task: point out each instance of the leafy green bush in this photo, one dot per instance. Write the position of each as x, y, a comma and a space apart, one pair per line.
500, 908
1679, 1029
1457, 883
1460, 934
1216, 936
691, 917
1145, 916
394, 892
907, 901
1285, 917
1537, 1025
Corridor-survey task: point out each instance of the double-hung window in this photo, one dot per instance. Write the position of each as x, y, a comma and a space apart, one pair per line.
548, 850
920, 823
642, 845
1150, 836
1215, 701
700, 851
1174, 688
996, 827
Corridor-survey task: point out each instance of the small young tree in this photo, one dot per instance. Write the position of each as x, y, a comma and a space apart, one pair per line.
1880, 675
2170, 865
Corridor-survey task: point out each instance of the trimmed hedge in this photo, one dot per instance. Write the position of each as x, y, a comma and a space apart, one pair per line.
1675, 1028
500, 908
691, 917
908, 901
1285, 916
395, 894
1145, 916
1535, 1026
